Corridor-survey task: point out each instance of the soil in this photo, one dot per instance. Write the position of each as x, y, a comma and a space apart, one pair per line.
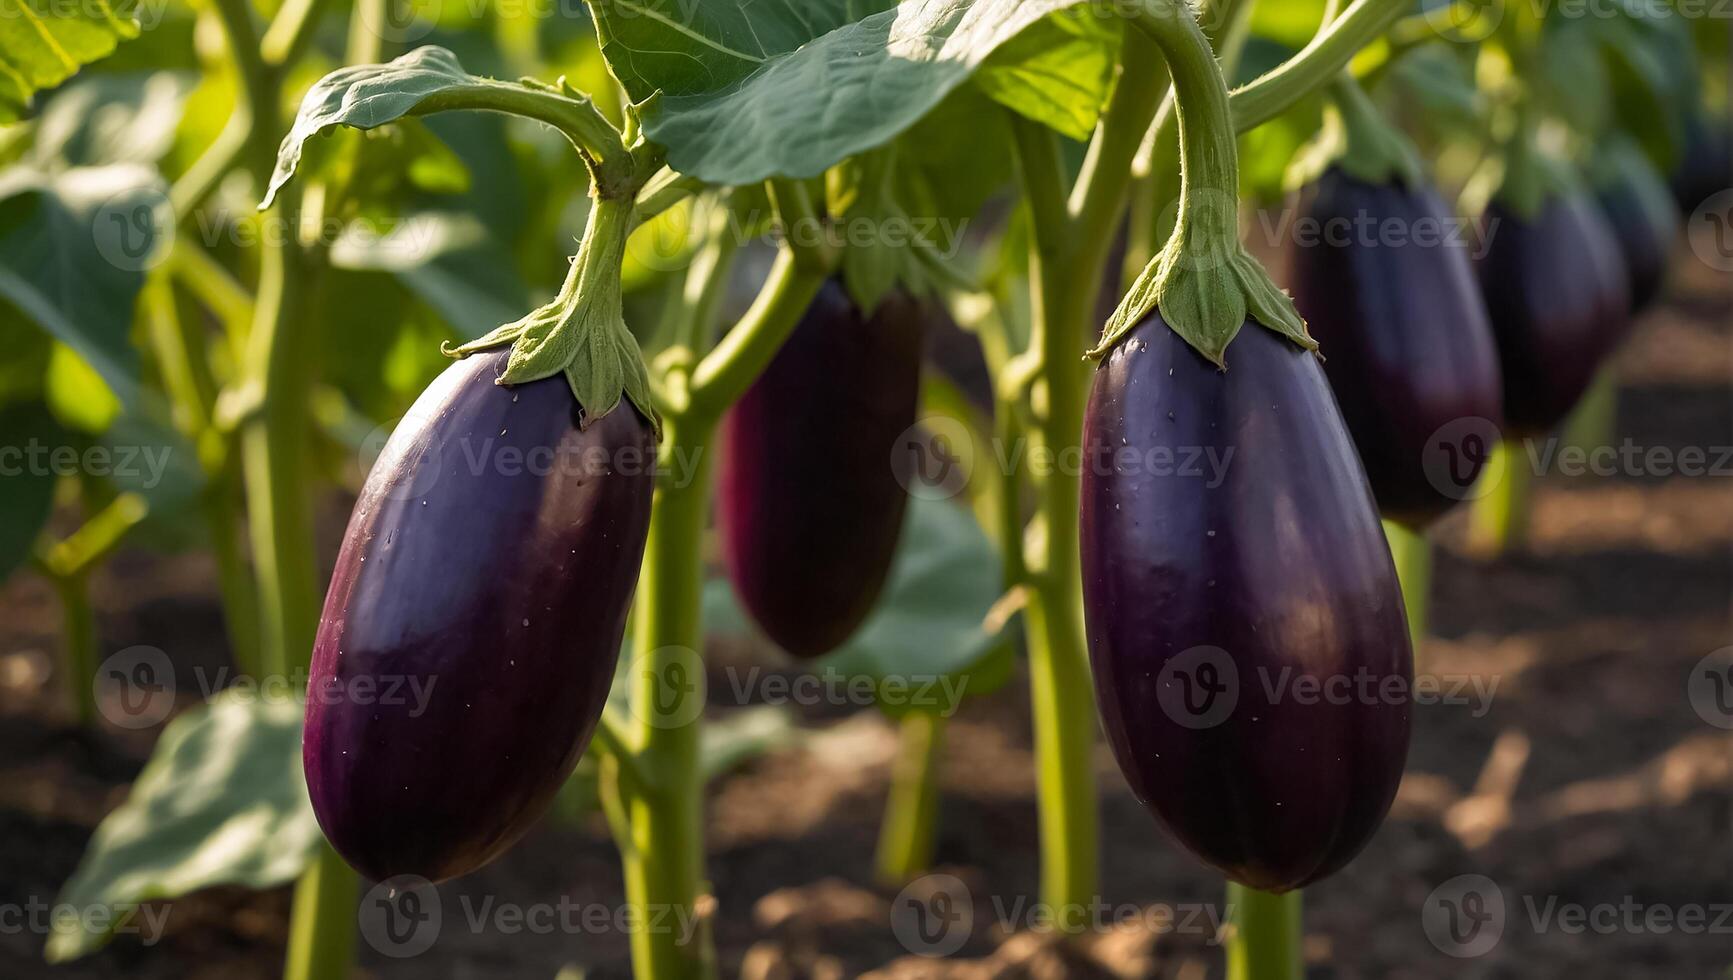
1587, 781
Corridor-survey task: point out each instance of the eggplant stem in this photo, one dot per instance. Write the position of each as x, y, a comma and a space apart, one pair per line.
1264, 943
910, 824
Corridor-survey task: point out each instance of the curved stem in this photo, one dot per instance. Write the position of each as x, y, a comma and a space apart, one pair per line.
579, 119
743, 353
1316, 65
1208, 157
1499, 517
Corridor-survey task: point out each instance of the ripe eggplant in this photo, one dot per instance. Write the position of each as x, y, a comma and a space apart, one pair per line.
1705, 166
810, 494
1559, 301
1639, 210
1229, 602
474, 620
1405, 336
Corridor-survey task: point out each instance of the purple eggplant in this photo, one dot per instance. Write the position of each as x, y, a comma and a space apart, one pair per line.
1705, 166
1250, 651
474, 620
1639, 210
1405, 338
1559, 300
811, 499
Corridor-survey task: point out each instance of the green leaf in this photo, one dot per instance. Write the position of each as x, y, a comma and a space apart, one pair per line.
221, 802
928, 627
74, 247
43, 43
741, 735
77, 394
426, 79
1057, 72
682, 48
104, 119
26, 487
783, 107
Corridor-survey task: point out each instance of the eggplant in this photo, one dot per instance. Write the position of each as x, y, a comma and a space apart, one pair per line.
474, 620
1640, 212
1218, 594
1405, 339
1558, 297
811, 480
1705, 168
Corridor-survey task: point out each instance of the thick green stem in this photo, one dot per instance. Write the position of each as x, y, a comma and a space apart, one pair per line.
1594, 422
907, 835
1061, 697
1499, 517
1412, 553
1330, 50
1264, 943
322, 920
664, 857
78, 628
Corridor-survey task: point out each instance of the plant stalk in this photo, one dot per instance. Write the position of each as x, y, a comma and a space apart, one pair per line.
1264, 943
664, 857
78, 624
322, 920
1412, 553
1499, 518
907, 835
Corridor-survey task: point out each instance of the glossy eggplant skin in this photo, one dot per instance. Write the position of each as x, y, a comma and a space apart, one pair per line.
1404, 335
1559, 302
1255, 578
810, 500
1640, 211
1705, 166
484, 581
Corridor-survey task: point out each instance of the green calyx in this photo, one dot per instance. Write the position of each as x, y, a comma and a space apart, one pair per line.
1531, 176
582, 334
1358, 140
1203, 282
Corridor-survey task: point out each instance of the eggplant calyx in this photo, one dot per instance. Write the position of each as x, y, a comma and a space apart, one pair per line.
582, 334
1205, 297
1203, 280
1358, 140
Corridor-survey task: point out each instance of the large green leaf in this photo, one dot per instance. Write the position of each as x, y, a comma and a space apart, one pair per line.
26, 480
682, 48
928, 628
221, 802
43, 43
105, 119
74, 247
808, 92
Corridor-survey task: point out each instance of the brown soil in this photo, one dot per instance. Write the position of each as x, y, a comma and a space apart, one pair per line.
1589, 780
